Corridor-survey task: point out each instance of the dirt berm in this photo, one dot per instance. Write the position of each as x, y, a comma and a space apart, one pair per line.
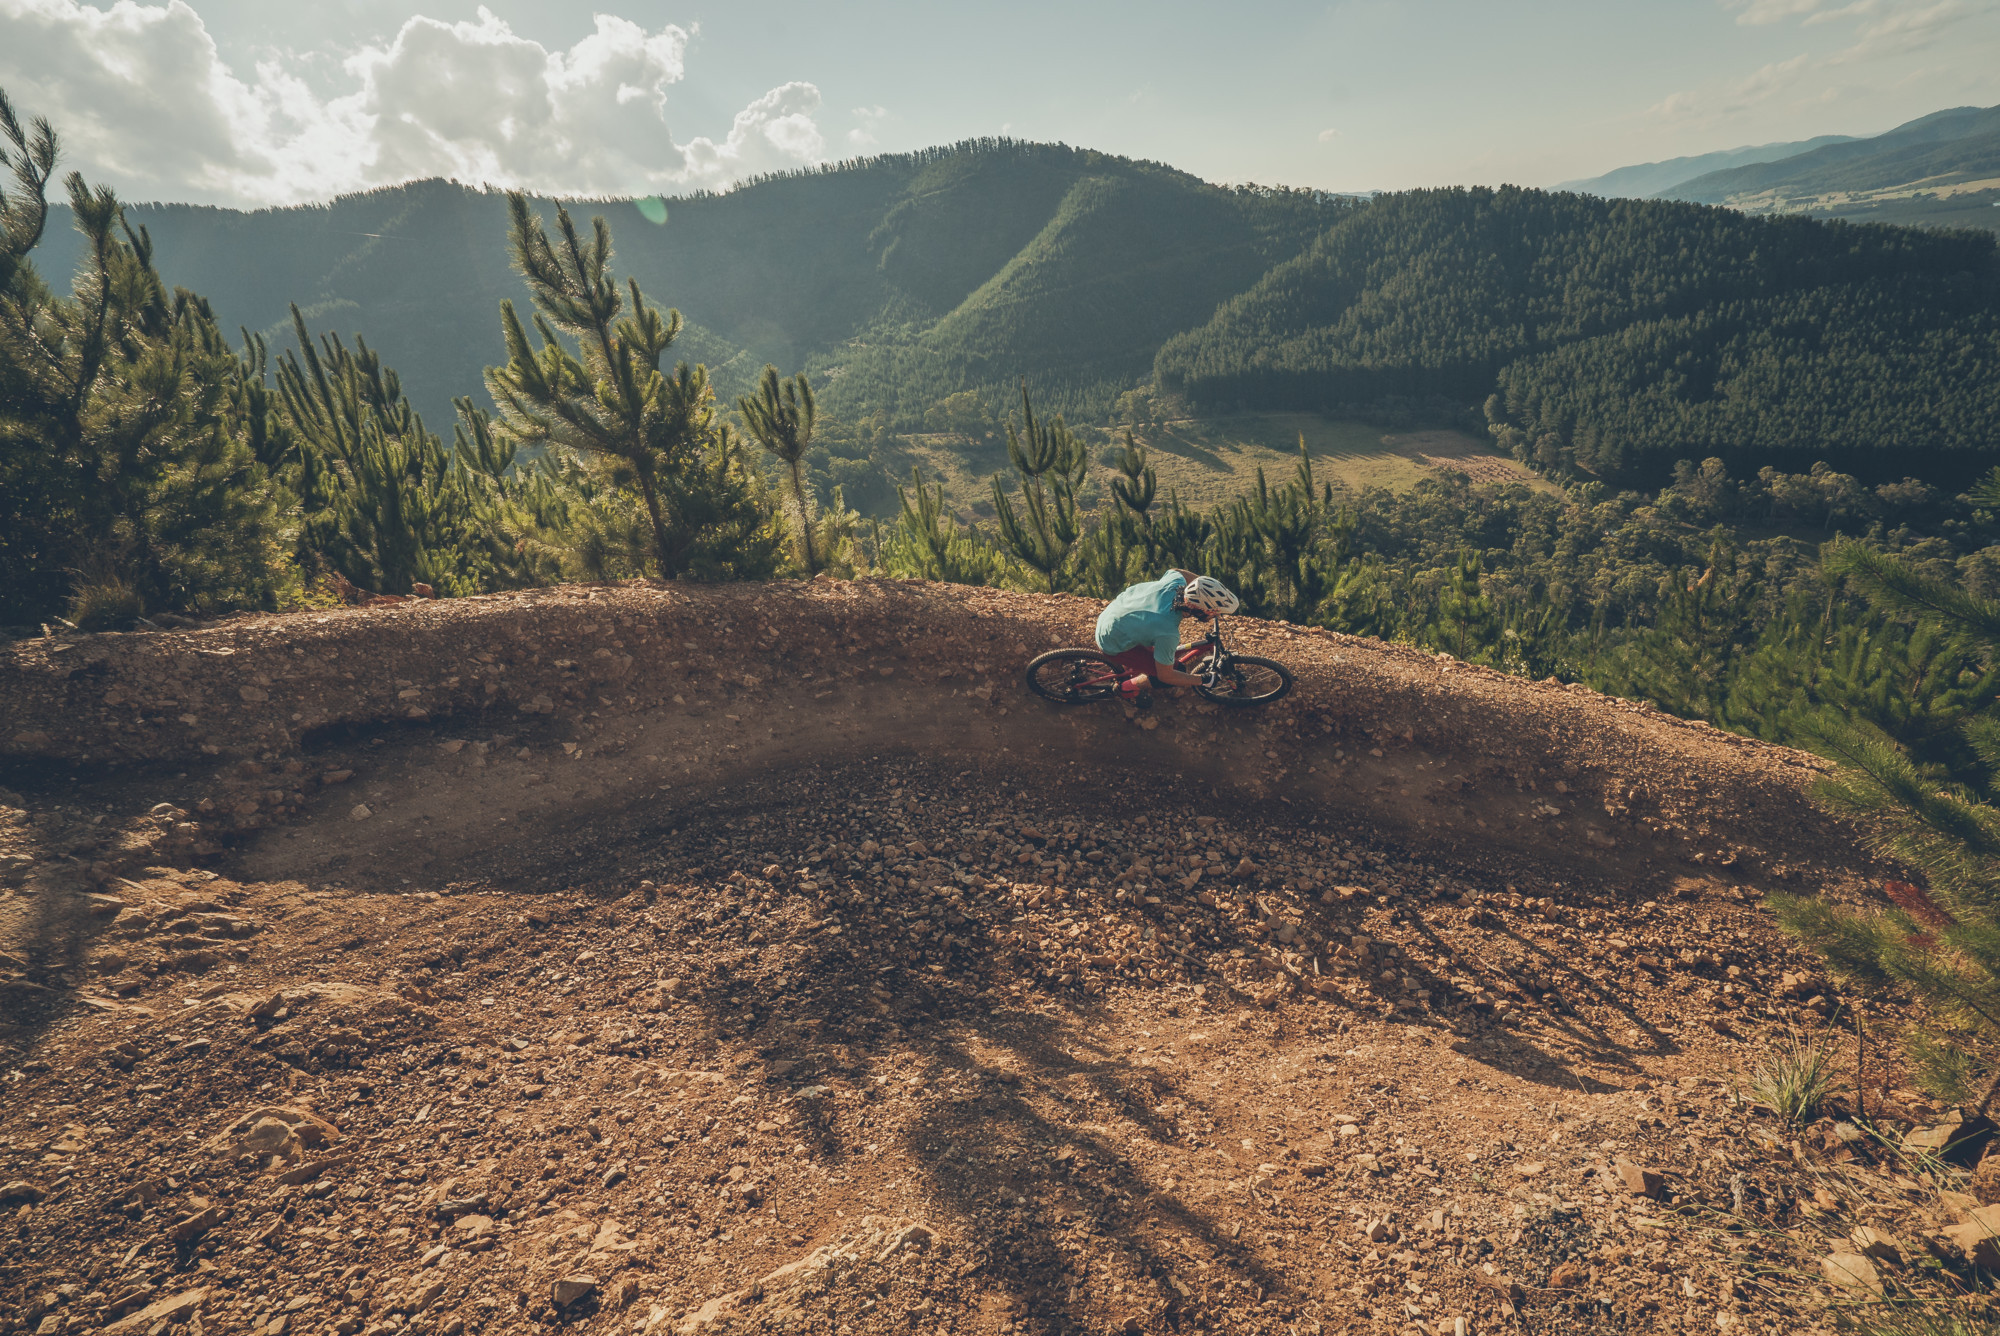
714, 959
619, 693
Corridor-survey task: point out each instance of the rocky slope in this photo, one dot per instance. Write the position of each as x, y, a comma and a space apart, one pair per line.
703, 959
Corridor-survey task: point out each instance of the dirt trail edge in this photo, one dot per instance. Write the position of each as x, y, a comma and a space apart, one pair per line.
640, 688
676, 960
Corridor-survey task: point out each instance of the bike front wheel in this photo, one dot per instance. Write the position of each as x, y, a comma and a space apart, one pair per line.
1246, 680
1073, 676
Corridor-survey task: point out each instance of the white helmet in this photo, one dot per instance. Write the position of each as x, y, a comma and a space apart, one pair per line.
1209, 595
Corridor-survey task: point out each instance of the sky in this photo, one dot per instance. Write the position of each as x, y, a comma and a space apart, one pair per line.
253, 103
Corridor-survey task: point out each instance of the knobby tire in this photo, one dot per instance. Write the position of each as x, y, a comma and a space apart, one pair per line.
1069, 676
1254, 681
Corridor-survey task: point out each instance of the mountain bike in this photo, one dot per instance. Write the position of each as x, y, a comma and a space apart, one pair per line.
1079, 676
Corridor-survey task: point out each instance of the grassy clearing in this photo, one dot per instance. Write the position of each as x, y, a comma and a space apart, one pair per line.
1210, 460
1213, 459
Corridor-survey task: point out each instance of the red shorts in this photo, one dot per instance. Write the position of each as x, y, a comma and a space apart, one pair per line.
1136, 661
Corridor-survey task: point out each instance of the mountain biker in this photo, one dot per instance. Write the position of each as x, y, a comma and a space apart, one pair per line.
1141, 628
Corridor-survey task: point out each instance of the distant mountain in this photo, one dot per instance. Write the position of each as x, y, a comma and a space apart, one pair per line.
1622, 334
1942, 170
1647, 179
897, 280
1616, 334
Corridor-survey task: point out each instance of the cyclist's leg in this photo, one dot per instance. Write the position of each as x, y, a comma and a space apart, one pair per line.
1134, 669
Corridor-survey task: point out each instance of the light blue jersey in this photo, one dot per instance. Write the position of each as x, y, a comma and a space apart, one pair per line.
1144, 615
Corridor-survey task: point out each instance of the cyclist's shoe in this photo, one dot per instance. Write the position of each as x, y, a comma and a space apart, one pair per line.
1134, 694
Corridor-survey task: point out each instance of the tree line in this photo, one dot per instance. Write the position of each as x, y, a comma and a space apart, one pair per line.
150, 468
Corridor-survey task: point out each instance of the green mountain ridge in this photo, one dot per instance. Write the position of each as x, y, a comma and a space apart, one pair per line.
1941, 170
1123, 263
1606, 335
1645, 180
1617, 333
899, 279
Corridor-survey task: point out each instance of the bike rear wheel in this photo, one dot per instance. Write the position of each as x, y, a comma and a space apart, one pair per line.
1073, 676
1247, 680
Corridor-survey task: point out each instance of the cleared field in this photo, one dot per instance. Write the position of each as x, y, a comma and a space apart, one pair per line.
1210, 460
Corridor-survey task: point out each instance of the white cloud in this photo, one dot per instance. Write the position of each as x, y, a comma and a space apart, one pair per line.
1758, 12
775, 131
867, 120
1858, 8
1909, 27
1728, 97
1328, 135
1902, 23
1883, 29
145, 103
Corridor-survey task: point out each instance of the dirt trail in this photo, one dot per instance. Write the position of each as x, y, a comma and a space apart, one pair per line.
727, 958
617, 694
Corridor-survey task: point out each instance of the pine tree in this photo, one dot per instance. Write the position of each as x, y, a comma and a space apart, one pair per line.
1049, 463
1532, 639
1181, 535
1466, 625
384, 502
1684, 661
129, 474
1137, 484
780, 416
1118, 549
1940, 942
1287, 553
613, 414
928, 542
1917, 682
837, 533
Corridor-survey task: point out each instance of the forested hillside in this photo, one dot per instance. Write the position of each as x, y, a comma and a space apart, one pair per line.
1125, 261
899, 280
1622, 332
1618, 335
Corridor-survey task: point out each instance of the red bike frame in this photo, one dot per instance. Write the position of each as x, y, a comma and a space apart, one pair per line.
1182, 658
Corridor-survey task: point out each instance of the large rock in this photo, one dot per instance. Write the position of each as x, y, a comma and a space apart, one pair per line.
1877, 1244
1956, 1136
566, 1290
260, 1126
1985, 1183
1852, 1272
269, 1136
473, 1227
787, 1294
1977, 1237
163, 1312
194, 1225
1639, 1181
